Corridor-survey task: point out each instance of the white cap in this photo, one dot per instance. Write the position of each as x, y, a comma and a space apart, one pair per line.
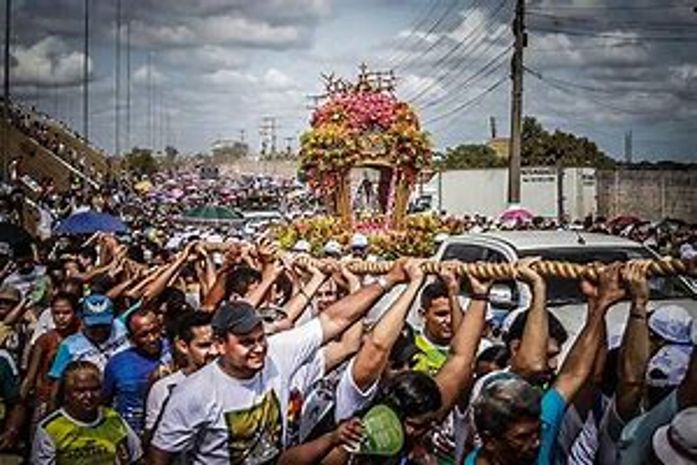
687, 252
332, 247
359, 241
301, 246
669, 366
440, 238
672, 323
676, 443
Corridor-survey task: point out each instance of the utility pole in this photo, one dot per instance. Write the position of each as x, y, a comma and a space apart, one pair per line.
6, 92
559, 162
514, 157
151, 142
267, 131
85, 76
289, 149
628, 151
242, 131
117, 88
128, 85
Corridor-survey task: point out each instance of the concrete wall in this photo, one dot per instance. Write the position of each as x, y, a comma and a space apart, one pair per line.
484, 191
649, 194
284, 168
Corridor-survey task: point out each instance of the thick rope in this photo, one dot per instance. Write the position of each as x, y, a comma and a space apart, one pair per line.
502, 271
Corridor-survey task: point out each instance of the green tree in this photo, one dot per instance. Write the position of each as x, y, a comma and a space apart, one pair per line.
230, 152
469, 156
141, 161
542, 148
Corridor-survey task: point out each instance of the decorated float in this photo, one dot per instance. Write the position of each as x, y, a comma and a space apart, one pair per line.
362, 156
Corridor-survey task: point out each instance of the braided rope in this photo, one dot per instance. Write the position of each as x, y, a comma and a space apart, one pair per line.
501, 271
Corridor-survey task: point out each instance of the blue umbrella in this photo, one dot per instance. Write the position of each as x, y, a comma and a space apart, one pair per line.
90, 222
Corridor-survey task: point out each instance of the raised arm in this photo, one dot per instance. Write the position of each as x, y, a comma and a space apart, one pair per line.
343, 313
313, 452
452, 282
456, 374
530, 360
17, 312
373, 356
217, 292
336, 352
635, 350
578, 364
299, 302
207, 279
36, 354
160, 283
270, 273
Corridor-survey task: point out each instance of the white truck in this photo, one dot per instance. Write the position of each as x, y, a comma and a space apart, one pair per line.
564, 297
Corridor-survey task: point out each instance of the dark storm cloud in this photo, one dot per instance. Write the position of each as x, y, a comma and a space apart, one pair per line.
602, 66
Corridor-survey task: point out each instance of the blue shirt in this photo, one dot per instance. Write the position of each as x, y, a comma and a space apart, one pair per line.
78, 347
551, 415
126, 382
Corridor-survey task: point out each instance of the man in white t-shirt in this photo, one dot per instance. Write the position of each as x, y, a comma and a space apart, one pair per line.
196, 342
233, 411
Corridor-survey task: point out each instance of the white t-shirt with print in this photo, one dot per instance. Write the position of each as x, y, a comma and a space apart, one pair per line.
220, 420
159, 392
349, 398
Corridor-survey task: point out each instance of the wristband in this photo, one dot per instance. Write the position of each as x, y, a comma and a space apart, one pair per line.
484, 297
638, 316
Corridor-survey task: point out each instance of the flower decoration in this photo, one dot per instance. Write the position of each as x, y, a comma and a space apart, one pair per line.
416, 239
358, 126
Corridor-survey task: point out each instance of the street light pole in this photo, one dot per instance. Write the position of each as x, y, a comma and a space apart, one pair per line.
6, 92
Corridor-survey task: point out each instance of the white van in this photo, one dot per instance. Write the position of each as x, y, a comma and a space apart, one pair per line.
564, 297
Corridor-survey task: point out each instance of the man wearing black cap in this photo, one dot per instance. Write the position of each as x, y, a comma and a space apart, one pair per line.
234, 410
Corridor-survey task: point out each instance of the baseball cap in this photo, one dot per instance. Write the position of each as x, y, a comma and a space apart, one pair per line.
676, 443
359, 241
238, 317
668, 366
672, 323
301, 246
10, 293
97, 309
332, 247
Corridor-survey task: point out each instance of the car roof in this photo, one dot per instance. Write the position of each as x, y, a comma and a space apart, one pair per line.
533, 240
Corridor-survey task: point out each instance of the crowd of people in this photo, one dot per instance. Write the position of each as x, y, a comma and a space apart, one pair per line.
44, 130
170, 344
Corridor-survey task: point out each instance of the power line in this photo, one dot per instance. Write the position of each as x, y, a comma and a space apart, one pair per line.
609, 7
574, 90
605, 22
606, 35
473, 101
487, 70
470, 47
434, 26
413, 28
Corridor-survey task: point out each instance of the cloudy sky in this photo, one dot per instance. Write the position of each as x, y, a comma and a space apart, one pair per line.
203, 70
